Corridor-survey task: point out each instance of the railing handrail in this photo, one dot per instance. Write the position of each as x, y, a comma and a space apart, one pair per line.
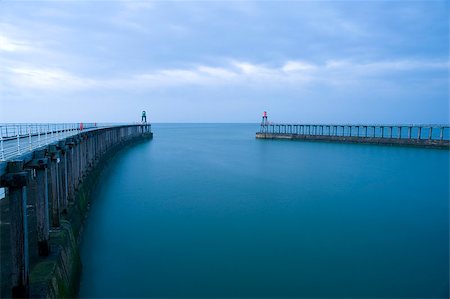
30, 136
359, 125
441, 132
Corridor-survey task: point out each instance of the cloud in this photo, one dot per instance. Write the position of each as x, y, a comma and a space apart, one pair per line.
133, 5
238, 73
51, 79
10, 45
127, 16
389, 65
293, 66
217, 72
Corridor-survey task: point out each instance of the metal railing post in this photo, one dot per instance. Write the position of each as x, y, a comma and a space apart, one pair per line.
2, 150
18, 139
29, 137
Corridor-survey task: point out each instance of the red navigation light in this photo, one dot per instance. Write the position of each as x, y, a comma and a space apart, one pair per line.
81, 126
265, 114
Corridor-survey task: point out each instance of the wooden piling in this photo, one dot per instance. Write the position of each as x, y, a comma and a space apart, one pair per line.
15, 181
40, 191
75, 164
79, 163
62, 175
69, 156
54, 185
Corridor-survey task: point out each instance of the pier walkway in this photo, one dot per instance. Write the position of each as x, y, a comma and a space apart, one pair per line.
16, 139
46, 171
430, 135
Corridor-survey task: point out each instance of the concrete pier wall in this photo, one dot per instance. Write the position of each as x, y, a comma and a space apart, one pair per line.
429, 143
47, 194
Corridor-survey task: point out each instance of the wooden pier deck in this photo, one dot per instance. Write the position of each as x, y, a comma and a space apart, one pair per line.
431, 136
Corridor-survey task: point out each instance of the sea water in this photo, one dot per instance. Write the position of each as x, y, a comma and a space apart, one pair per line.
207, 210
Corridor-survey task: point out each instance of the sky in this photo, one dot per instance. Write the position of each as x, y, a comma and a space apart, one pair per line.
224, 61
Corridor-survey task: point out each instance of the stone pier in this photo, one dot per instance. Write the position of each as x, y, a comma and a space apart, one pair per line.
44, 207
430, 136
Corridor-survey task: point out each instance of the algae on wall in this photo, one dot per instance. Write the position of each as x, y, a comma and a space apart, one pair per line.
58, 275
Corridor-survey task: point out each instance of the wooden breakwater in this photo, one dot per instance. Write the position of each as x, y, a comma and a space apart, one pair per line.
432, 136
44, 206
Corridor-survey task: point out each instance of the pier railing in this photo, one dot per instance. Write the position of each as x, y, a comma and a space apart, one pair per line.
19, 138
430, 132
430, 135
43, 183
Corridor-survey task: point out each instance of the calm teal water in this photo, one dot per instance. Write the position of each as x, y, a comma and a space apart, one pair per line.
209, 211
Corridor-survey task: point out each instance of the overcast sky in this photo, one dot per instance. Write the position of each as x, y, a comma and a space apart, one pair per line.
224, 61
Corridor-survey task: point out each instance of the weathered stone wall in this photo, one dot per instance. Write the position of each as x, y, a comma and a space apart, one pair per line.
443, 144
62, 279
57, 273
